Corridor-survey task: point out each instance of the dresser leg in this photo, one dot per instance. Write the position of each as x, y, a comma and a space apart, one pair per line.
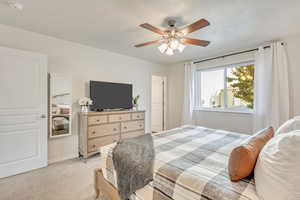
82, 158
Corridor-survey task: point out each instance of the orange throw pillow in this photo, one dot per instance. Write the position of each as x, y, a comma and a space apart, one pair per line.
243, 158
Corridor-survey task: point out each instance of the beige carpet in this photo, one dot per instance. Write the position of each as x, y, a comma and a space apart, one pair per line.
67, 180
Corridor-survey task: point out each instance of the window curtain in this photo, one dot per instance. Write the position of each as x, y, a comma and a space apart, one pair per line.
271, 87
189, 93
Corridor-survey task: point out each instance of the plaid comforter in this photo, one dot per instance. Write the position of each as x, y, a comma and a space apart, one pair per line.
190, 164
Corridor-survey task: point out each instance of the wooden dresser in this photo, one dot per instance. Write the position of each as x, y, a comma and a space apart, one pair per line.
98, 129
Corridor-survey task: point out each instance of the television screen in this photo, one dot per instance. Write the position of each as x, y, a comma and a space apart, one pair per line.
106, 95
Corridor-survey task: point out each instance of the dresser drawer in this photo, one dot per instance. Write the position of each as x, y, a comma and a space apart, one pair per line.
97, 119
119, 117
103, 130
95, 144
131, 134
135, 116
132, 126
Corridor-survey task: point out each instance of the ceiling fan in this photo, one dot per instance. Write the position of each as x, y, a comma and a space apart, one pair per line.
173, 39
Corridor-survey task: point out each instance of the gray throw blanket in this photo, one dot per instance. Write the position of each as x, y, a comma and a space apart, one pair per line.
133, 161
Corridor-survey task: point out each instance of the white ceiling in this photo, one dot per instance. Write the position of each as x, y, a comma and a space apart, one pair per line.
113, 24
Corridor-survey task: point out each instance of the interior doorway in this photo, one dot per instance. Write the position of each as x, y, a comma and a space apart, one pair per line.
158, 103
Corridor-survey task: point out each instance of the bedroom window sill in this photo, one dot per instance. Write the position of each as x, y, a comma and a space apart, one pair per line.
247, 112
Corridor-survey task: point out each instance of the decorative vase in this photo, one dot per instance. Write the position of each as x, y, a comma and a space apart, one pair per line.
84, 108
135, 107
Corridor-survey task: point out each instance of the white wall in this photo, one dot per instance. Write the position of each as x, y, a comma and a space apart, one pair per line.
230, 121
83, 63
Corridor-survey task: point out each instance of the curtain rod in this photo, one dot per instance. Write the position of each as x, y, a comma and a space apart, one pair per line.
232, 54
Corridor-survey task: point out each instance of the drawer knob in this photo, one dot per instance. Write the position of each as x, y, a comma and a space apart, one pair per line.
114, 129
138, 116
93, 132
98, 120
141, 125
125, 127
94, 146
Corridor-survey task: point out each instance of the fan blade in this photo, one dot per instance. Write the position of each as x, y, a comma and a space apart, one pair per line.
197, 42
152, 28
147, 43
195, 26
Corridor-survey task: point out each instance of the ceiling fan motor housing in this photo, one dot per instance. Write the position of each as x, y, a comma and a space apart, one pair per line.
172, 23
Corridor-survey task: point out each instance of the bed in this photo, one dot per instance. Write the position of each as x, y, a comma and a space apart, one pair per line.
190, 164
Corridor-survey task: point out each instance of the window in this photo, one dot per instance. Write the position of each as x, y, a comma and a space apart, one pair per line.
227, 88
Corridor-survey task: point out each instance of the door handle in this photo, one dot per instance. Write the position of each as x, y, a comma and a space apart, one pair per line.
43, 116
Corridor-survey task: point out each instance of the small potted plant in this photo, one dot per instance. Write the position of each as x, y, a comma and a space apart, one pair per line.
85, 102
135, 102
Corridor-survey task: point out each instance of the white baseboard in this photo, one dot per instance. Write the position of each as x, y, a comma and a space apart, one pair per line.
59, 159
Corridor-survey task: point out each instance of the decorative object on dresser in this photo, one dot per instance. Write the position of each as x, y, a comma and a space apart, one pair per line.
98, 129
135, 102
85, 102
60, 101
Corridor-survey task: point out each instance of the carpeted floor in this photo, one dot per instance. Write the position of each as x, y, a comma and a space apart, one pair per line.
67, 180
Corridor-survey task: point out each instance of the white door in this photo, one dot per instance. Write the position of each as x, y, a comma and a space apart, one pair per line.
157, 108
23, 111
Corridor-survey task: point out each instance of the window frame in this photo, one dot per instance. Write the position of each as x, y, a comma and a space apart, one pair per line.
197, 88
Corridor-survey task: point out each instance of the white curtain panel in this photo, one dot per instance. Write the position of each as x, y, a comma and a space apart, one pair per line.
271, 88
189, 96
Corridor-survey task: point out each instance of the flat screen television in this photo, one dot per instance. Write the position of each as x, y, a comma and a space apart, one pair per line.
106, 95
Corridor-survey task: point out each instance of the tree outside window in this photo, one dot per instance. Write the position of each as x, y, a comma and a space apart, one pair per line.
241, 84
229, 87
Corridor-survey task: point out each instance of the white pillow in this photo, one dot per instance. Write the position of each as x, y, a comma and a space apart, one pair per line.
277, 171
288, 126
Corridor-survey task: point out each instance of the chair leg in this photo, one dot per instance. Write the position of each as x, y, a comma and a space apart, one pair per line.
96, 183
103, 188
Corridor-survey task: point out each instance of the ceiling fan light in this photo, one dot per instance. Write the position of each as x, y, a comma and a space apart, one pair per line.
169, 52
174, 44
180, 47
162, 48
